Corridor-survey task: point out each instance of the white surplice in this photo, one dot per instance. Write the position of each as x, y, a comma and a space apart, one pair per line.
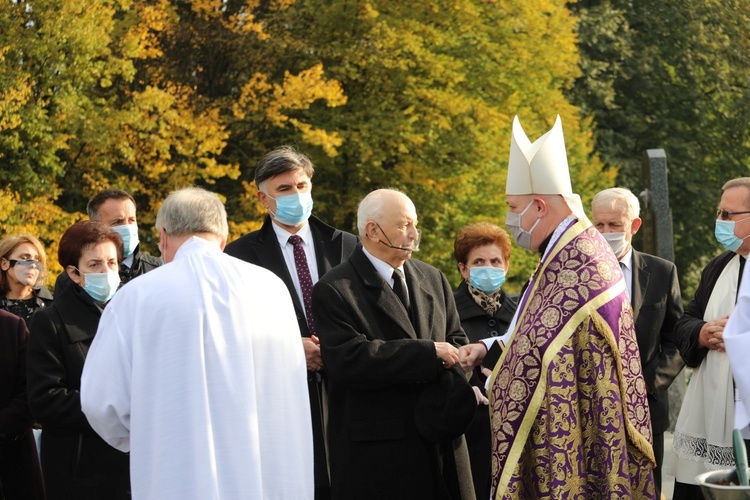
737, 342
702, 438
198, 370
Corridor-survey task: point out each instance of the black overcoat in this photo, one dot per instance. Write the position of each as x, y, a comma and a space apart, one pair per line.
378, 361
76, 462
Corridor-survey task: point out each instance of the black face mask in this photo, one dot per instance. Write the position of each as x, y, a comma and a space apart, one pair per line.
415, 248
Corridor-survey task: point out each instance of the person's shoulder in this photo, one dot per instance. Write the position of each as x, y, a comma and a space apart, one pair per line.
243, 266
715, 266
9, 320
44, 294
424, 267
242, 246
317, 225
149, 261
654, 260
343, 271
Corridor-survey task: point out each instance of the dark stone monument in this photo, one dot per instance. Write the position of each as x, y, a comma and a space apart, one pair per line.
658, 238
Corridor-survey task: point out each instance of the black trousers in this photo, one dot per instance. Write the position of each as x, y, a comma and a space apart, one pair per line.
659, 455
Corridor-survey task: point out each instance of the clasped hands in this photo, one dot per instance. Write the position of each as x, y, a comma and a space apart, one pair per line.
312, 353
712, 334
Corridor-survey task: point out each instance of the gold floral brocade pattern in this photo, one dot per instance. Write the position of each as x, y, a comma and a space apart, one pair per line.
570, 417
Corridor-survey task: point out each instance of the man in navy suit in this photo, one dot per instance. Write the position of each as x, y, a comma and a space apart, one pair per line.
657, 305
299, 248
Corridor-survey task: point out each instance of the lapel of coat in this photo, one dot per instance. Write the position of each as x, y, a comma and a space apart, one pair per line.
270, 257
640, 283
381, 294
422, 301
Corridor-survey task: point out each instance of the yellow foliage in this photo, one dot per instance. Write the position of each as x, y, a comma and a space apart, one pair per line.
39, 217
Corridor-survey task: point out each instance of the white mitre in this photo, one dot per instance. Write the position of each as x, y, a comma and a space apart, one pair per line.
541, 167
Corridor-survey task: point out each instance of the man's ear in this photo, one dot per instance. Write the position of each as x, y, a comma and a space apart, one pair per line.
635, 225
542, 207
262, 198
371, 231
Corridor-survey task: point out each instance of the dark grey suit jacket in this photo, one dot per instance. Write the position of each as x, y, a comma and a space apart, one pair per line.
378, 362
657, 305
332, 247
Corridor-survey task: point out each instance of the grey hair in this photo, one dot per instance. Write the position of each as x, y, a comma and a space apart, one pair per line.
193, 210
371, 207
610, 196
739, 182
279, 161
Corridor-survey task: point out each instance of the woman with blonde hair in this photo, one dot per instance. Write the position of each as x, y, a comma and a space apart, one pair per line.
23, 266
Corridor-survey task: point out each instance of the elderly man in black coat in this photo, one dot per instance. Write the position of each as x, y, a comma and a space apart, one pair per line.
389, 334
657, 305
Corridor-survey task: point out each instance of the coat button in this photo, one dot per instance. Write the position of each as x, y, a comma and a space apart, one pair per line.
493, 333
491, 322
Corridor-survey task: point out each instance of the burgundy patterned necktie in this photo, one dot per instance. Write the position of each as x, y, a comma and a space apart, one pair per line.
305, 280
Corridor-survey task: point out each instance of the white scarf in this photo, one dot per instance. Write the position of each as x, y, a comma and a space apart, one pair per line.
703, 434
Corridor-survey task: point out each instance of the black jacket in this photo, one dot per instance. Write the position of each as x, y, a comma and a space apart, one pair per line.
378, 362
657, 306
688, 327
42, 298
76, 462
20, 477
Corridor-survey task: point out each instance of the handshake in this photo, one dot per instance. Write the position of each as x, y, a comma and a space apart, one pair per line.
469, 356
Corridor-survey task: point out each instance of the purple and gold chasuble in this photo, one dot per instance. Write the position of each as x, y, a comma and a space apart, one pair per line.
570, 417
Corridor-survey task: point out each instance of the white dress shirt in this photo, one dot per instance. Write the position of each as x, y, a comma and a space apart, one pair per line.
626, 263
287, 249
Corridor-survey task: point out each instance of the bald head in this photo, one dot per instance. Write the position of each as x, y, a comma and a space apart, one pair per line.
387, 218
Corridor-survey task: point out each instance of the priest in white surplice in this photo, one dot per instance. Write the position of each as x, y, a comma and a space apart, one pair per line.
197, 370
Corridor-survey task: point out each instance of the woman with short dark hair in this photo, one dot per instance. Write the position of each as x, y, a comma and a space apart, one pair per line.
76, 462
482, 253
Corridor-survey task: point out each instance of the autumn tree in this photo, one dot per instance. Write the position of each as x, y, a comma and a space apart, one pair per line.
154, 95
672, 75
431, 89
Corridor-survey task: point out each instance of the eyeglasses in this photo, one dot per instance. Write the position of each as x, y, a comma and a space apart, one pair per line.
725, 214
25, 263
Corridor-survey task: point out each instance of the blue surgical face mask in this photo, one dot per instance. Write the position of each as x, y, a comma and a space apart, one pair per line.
101, 286
293, 209
724, 232
513, 223
488, 279
129, 235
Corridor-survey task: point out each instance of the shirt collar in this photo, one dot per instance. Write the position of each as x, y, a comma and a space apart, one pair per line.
627, 261
383, 268
283, 235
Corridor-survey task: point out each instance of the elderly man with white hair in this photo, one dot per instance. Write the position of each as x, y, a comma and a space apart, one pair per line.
389, 332
198, 371
654, 291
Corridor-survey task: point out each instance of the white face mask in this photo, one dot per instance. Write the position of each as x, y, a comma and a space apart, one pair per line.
513, 223
617, 241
